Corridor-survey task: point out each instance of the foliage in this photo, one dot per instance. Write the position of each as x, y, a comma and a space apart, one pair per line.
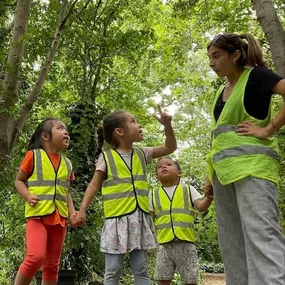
212, 267
207, 237
12, 226
81, 245
122, 55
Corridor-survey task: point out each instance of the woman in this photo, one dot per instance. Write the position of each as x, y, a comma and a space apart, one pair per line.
244, 162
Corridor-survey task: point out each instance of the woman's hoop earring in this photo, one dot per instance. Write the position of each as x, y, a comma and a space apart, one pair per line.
234, 62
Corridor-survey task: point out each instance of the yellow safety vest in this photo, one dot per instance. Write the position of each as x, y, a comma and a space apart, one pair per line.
174, 219
49, 185
234, 157
125, 188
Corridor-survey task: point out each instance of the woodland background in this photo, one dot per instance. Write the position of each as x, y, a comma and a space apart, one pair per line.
79, 60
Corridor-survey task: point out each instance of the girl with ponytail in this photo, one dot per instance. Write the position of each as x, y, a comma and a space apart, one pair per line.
244, 162
121, 176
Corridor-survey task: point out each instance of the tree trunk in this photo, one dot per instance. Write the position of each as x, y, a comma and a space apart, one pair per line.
275, 34
11, 80
11, 128
33, 96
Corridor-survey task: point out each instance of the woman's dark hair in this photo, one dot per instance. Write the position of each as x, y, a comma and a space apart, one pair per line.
174, 161
110, 123
44, 127
251, 53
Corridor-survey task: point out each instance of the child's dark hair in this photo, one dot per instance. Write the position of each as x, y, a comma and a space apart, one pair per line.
44, 127
251, 53
174, 161
110, 123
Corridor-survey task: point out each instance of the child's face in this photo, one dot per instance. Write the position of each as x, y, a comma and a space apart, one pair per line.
60, 137
167, 169
133, 130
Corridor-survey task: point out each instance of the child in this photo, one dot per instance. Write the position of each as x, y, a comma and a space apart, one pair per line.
172, 207
121, 171
43, 180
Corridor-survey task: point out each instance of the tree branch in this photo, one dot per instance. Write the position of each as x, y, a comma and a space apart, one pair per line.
31, 99
103, 52
15, 54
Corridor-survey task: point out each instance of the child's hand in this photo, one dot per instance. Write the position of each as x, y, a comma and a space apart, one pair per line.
72, 220
33, 200
80, 218
208, 189
163, 118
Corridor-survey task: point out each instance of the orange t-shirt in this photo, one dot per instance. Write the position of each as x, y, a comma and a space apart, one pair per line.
27, 166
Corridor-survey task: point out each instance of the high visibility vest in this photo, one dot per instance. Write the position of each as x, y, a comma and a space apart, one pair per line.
49, 185
125, 188
234, 157
174, 219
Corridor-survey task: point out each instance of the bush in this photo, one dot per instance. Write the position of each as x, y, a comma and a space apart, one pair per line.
210, 267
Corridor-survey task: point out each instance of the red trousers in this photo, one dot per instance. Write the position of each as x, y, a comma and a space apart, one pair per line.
44, 246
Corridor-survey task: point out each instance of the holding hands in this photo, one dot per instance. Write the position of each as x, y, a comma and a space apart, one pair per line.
77, 219
72, 219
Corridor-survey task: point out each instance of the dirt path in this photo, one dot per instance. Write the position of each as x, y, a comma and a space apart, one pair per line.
214, 279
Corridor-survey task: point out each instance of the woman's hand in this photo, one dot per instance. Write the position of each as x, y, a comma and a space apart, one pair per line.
80, 218
72, 220
246, 128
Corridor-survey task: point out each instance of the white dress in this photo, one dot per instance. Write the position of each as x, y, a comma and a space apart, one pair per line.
135, 231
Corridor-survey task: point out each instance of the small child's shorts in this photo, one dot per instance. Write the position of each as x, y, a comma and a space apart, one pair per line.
179, 256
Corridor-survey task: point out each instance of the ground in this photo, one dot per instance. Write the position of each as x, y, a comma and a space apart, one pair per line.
214, 279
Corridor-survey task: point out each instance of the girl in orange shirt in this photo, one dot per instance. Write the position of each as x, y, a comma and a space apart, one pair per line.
47, 209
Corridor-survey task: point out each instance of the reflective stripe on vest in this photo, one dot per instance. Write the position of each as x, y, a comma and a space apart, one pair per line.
51, 187
52, 197
233, 156
223, 129
174, 219
241, 150
125, 188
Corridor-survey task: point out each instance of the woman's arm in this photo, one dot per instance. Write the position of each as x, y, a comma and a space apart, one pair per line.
249, 129
246, 128
277, 123
279, 88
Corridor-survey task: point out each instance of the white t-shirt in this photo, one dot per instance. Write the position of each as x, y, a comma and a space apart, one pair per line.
195, 195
